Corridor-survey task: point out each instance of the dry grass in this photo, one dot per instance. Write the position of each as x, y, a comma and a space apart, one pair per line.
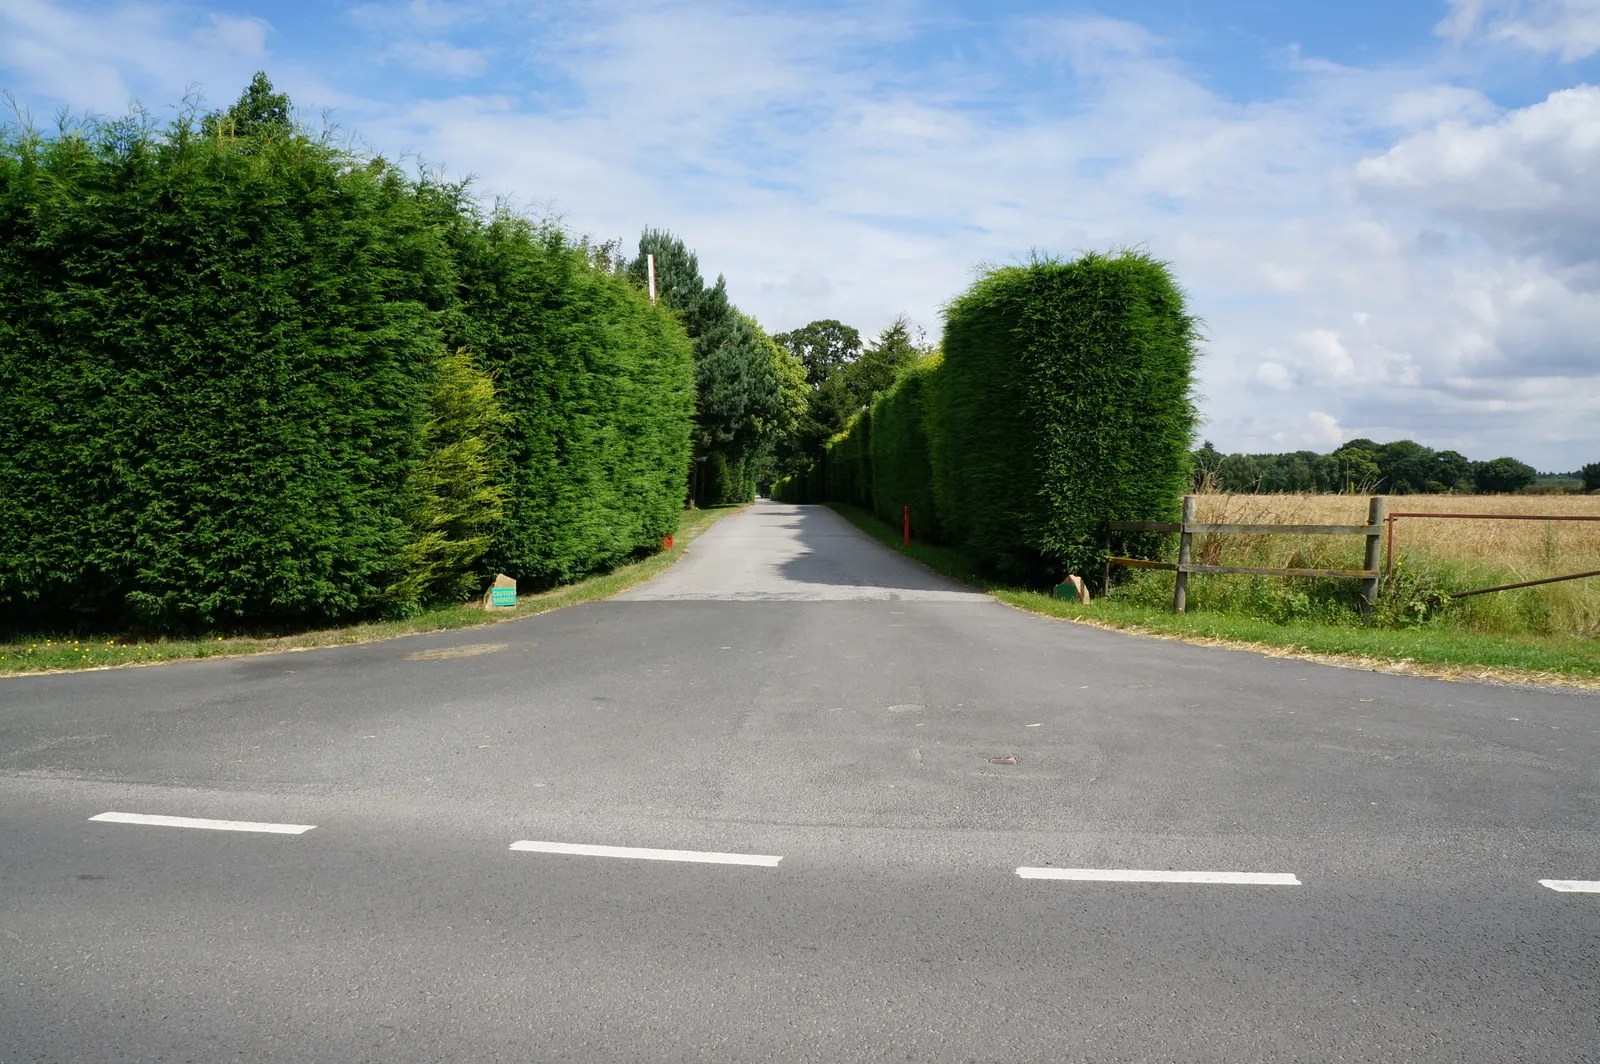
1537, 548
1429, 649
1433, 555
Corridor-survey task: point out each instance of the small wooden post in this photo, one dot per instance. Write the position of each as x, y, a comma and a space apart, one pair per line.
1369, 589
1105, 578
908, 526
1180, 588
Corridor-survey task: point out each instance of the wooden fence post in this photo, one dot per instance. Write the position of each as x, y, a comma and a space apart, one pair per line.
1369, 588
1180, 588
1105, 579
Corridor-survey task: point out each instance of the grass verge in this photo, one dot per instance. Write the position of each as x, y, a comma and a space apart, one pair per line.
108, 651
1424, 651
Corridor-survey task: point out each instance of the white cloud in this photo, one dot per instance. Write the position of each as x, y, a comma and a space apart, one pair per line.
100, 60
1275, 375
420, 16
802, 284
1526, 182
1325, 356
1375, 252
1324, 429
1424, 106
247, 36
440, 57
1083, 42
1569, 28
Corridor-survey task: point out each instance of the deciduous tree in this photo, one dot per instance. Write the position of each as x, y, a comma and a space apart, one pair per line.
1502, 476
823, 348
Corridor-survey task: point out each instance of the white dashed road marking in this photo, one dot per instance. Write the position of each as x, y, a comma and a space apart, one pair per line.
210, 825
641, 854
1572, 886
1136, 875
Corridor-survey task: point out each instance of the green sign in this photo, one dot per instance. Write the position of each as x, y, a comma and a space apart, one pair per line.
502, 596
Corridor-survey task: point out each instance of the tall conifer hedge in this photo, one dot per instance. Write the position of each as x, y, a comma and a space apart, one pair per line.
1062, 400
599, 387
1065, 401
211, 375
901, 450
225, 396
847, 460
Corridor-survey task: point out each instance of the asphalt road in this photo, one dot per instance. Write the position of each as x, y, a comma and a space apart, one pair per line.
792, 691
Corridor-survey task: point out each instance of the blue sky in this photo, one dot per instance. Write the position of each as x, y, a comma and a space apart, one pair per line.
1385, 212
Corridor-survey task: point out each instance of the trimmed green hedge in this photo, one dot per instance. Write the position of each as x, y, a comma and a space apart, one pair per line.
212, 376
1063, 400
1066, 401
220, 362
847, 461
901, 450
728, 483
599, 386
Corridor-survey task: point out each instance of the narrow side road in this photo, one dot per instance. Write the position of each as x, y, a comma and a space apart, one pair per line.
795, 799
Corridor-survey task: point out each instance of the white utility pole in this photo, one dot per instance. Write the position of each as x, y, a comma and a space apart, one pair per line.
650, 263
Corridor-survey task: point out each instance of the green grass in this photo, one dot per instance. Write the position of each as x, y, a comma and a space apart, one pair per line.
50, 653
1433, 650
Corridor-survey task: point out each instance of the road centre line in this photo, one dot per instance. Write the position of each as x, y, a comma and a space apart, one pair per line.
196, 822
1572, 886
1135, 875
644, 854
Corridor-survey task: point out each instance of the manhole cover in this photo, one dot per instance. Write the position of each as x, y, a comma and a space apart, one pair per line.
1009, 759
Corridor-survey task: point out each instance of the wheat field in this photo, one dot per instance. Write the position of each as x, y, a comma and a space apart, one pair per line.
1434, 556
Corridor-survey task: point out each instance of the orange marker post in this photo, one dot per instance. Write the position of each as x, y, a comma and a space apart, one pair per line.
908, 526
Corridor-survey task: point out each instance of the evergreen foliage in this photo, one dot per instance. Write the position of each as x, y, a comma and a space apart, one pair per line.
1061, 400
843, 380
455, 501
816, 482
848, 462
901, 449
1064, 401
874, 372
212, 374
259, 112
750, 390
598, 386
827, 408
728, 483
248, 378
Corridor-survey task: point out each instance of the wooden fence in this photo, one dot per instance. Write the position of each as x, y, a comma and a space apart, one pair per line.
1188, 528
1388, 567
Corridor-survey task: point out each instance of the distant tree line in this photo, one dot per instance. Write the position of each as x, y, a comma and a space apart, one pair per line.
842, 378
1364, 466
